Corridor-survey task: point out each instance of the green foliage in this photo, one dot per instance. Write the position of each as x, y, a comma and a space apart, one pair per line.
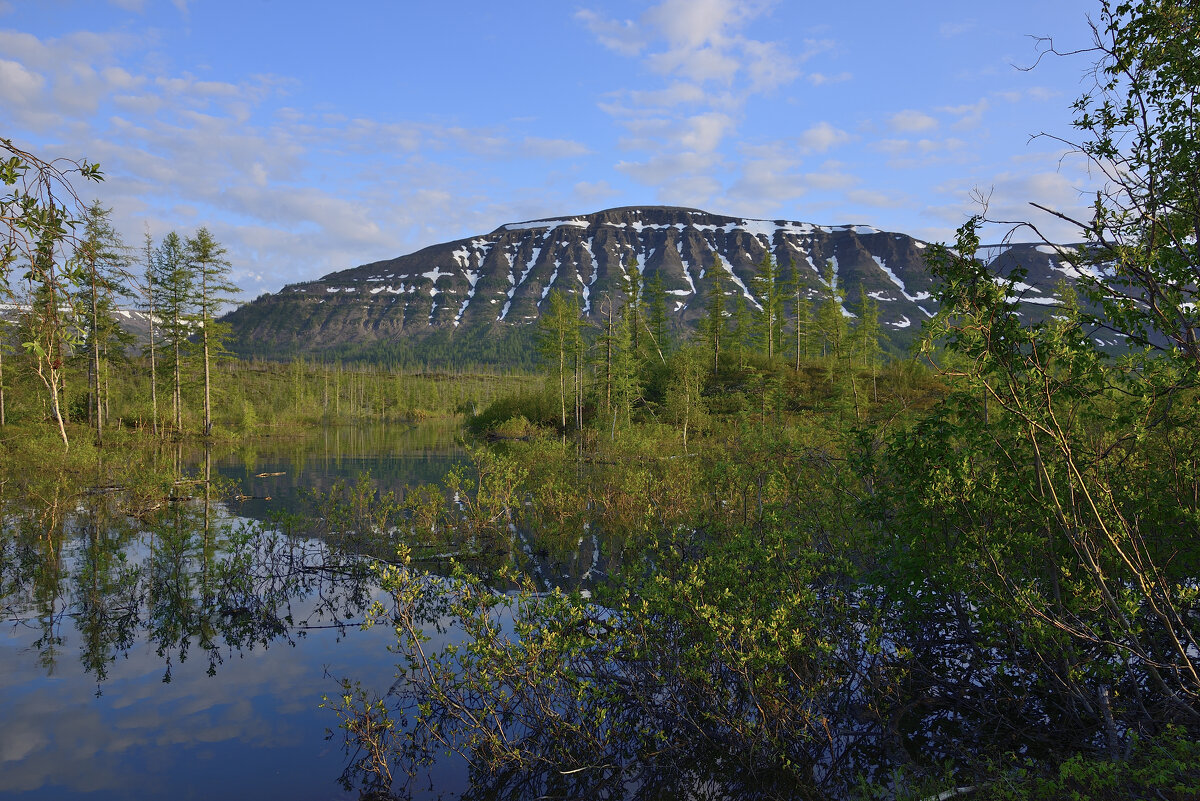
685, 404
677, 672
769, 288
561, 344
103, 258
1140, 129
714, 321
802, 321
40, 211
210, 280
1166, 766
997, 559
534, 408
1037, 491
656, 316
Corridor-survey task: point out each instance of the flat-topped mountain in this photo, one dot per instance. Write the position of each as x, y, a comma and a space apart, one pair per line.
493, 284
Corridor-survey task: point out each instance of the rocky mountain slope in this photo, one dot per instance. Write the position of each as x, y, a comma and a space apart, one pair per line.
494, 284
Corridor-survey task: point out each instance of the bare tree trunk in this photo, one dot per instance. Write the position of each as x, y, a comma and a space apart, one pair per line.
207, 403
94, 371
562, 377
797, 315
106, 371
178, 401
55, 407
153, 381
608, 360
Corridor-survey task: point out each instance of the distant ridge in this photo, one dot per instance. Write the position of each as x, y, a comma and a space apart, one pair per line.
491, 285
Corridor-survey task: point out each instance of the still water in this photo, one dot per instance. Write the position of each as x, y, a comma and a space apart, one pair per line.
186, 657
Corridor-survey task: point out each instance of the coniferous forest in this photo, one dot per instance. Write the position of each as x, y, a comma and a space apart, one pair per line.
768, 557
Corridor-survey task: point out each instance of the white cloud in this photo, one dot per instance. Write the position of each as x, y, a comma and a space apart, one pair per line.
816, 47
1038, 93
19, 86
768, 179
911, 121
878, 199
676, 94
542, 148
702, 43
179, 151
949, 30
705, 131
767, 66
1009, 194
820, 79
893, 147
831, 178
821, 137
692, 24
922, 153
686, 179
709, 67
700, 64
593, 192
621, 36
969, 115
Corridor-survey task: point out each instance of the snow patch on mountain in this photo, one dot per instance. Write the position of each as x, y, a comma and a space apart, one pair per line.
525, 226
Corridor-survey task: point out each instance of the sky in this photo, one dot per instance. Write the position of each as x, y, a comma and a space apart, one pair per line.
316, 136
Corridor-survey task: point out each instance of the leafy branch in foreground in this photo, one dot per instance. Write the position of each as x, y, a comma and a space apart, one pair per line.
38, 214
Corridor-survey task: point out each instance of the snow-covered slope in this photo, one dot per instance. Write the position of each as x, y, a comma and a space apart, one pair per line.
503, 279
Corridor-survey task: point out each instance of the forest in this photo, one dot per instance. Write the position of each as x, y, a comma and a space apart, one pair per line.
821, 570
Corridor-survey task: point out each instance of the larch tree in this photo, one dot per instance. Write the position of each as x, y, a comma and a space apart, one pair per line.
102, 256
831, 319
173, 293
801, 314
866, 336
714, 322
148, 300
767, 286
657, 325
210, 277
631, 288
558, 336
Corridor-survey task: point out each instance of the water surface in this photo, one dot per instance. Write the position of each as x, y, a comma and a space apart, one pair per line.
186, 657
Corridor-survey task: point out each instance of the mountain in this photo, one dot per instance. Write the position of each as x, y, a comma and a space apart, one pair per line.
474, 298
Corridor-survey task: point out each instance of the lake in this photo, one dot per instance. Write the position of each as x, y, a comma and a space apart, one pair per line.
187, 657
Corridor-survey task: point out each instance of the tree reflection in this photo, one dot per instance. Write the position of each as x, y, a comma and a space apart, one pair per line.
189, 579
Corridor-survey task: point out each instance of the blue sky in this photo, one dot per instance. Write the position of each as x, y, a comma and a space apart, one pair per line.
315, 136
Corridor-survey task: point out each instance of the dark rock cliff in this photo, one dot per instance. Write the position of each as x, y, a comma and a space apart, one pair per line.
493, 283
